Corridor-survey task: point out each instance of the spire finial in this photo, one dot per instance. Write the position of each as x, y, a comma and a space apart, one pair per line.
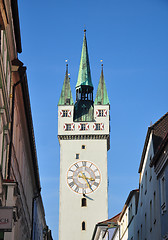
84, 29
66, 65
101, 63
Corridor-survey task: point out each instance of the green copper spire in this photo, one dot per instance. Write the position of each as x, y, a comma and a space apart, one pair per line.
84, 76
66, 94
101, 96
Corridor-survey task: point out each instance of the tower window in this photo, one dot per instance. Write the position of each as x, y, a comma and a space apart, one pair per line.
77, 155
83, 146
83, 226
97, 126
101, 113
68, 127
83, 126
65, 113
84, 203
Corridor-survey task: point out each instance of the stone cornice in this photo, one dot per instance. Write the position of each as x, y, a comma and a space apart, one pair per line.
86, 137
80, 137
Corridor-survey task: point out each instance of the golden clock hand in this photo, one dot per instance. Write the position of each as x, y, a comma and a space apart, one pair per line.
87, 181
84, 177
91, 179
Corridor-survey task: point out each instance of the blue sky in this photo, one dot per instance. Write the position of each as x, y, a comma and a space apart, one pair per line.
131, 37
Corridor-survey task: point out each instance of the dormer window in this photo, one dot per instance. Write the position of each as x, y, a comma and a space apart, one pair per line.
67, 101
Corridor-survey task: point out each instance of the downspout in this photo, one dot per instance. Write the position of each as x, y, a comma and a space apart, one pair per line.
33, 200
12, 121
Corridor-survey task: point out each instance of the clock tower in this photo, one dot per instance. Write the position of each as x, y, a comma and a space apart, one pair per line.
83, 133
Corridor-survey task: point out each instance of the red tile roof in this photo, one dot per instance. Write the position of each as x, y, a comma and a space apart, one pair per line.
111, 220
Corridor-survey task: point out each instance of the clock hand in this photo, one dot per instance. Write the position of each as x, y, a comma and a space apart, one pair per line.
87, 181
91, 179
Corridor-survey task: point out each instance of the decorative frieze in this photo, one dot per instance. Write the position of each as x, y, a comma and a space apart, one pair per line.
81, 137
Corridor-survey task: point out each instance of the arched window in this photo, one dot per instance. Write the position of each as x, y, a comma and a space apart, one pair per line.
83, 202
83, 226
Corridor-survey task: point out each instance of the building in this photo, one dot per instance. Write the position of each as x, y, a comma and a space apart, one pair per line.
21, 207
144, 215
83, 133
126, 223
105, 230
160, 163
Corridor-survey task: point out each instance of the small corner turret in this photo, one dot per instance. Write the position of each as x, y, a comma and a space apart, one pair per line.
66, 94
102, 96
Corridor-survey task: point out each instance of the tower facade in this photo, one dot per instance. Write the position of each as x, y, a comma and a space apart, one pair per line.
83, 133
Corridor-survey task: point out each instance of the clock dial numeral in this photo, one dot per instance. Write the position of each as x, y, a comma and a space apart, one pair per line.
84, 164
71, 184
71, 170
77, 189
96, 170
70, 177
97, 177
96, 184
76, 165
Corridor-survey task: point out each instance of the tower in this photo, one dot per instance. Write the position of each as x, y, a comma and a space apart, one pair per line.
83, 133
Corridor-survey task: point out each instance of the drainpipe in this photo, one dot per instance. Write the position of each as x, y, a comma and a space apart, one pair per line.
33, 200
12, 118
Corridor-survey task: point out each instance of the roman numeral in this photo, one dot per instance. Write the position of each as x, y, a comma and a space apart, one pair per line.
70, 177
71, 184
76, 189
71, 170
97, 177
96, 170
96, 184
76, 165
84, 164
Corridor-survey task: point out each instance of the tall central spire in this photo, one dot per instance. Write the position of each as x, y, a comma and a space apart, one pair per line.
83, 109
84, 75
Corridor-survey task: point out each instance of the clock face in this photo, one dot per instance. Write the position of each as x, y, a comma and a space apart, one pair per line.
83, 177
